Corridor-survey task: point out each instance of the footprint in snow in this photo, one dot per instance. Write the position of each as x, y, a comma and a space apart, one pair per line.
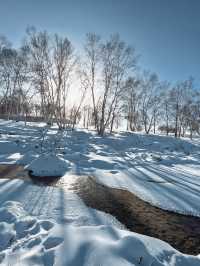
46, 225
52, 242
34, 242
24, 223
35, 230
113, 172
2, 257
49, 258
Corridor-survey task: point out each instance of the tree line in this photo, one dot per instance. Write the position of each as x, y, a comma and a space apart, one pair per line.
38, 79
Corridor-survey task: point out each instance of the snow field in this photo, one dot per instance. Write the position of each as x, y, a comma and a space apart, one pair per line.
52, 226
27, 240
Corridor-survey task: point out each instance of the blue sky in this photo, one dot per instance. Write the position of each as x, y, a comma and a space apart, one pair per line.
166, 33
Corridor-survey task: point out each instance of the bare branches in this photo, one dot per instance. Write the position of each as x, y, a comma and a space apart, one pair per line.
52, 63
40, 78
114, 59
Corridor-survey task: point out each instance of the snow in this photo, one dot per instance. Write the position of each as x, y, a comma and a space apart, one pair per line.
11, 211
41, 225
57, 204
48, 165
153, 167
7, 234
42, 242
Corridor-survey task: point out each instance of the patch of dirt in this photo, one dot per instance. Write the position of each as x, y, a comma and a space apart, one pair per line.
13, 171
44, 180
180, 231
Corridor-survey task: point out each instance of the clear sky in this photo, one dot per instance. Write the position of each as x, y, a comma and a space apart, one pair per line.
165, 32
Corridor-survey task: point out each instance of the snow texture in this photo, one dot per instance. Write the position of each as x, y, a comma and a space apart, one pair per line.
48, 165
42, 225
28, 241
161, 170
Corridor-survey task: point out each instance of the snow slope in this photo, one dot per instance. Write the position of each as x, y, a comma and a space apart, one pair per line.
161, 170
51, 226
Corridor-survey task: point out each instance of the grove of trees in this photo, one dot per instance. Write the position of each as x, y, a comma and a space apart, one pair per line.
46, 80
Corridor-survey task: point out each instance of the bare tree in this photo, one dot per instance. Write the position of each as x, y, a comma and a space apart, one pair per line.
179, 96
63, 63
118, 60
39, 47
83, 89
92, 54
149, 97
131, 105
165, 106
14, 75
52, 64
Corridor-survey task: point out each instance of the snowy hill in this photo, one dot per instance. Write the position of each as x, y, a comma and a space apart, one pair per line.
52, 226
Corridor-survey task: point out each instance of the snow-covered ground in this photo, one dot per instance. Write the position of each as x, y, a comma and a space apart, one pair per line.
63, 231
161, 170
52, 226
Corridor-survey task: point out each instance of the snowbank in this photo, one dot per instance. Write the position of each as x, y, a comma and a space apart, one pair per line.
27, 241
48, 165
